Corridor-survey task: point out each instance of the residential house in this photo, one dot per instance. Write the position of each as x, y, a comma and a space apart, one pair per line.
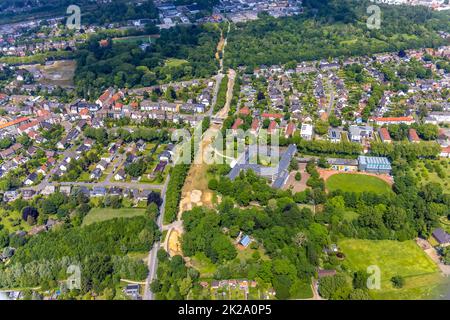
31, 179
413, 136
96, 174
273, 127
290, 130
48, 190
165, 156
384, 135
98, 192
254, 127
393, 120
360, 133
28, 194
334, 135
102, 165
442, 237
120, 175
306, 131
236, 125
65, 190
132, 290
10, 195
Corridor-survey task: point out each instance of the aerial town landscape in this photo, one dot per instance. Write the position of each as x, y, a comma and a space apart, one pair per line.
224, 150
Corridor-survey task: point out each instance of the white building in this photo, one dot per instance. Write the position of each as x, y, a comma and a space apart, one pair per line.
306, 131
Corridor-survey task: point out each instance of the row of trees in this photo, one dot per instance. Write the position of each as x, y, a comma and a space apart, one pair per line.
406, 150
222, 94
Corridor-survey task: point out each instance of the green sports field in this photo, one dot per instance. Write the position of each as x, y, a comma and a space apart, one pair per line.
104, 214
422, 276
357, 183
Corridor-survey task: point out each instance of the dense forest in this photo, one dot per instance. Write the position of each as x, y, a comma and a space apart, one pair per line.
100, 249
93, 13
119, 11
179, 53
333, 28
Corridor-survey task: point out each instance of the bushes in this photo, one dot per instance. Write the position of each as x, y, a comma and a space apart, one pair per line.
398, 282
326, 148
406, 150
222, 95
29, 212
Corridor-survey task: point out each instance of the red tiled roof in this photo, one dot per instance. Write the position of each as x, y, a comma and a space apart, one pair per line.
32, 134
237, 123
413, 135
272, 126
104, 96
290, 129
272, 115
104, 43
244, 111
43, 113
384, 133
255, 124
393, 119
27, 126
14, 122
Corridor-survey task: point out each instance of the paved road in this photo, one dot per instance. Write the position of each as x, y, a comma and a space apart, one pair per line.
152, 256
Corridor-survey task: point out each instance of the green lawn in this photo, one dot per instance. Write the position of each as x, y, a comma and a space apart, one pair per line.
426, 176
134, 39
12, 221
175, 62
247, 254
421, 274
104, 214
301, 289
204, 265
357, 183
